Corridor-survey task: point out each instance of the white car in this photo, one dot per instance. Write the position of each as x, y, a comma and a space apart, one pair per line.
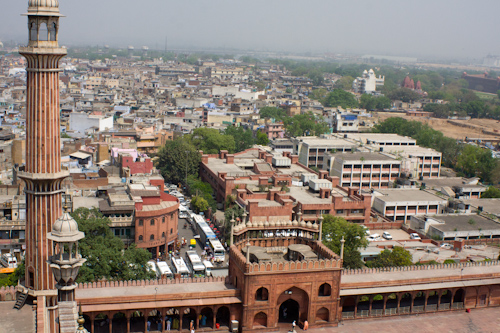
373, 237
387, 235
414, 236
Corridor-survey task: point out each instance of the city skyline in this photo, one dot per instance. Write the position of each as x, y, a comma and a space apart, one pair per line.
423, 29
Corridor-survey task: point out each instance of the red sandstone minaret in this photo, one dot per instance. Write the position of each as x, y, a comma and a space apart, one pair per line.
43, 175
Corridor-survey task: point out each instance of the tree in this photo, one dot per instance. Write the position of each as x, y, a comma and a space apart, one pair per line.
270, 112
262, 138
396, 257
344, 82
354, 235
316, 77
339, 97
404, 95
491, 192
211, 141
172, 160
199, 204
198, 187
305, 124
243, 139
105, 254
476, 162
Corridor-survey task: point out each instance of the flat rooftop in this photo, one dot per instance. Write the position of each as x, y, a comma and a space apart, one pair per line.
450, 181
365, 156
464, 223
305, 196
406, 195
491, 206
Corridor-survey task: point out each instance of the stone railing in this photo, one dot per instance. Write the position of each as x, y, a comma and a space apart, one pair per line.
290, 266
419, 267
7, 294
135, 283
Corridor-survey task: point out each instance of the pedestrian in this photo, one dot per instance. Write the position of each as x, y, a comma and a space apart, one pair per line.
168, 324
149, 325
306, 325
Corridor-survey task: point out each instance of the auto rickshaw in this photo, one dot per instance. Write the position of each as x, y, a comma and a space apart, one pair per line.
192, 243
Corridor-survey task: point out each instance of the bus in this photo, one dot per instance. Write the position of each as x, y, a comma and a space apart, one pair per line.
195, 263
203, 230
180, 267
8, 260
217, 250
152, 268
165, 272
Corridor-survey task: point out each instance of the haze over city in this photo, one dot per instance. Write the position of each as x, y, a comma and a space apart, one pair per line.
447, 29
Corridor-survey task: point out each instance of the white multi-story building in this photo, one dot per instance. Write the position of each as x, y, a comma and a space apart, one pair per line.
400, 204
365, 170
367, 83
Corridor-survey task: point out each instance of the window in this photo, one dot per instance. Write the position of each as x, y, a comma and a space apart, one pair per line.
152, 222
163, 235
325, 290
152, 237
163, 219
340, 211
52, 32
141, 223
262, 294
171, 230
140, 238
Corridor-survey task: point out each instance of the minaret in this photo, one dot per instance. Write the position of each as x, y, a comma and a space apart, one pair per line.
43, 175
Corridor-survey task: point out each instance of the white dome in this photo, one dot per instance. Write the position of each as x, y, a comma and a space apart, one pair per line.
65, 226
43, 3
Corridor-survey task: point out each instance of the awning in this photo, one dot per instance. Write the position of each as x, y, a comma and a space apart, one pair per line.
417, 287
160, 304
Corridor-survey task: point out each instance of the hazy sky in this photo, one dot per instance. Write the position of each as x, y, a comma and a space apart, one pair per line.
444, 28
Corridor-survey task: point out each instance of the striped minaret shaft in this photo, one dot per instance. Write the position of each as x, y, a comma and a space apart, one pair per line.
43, 175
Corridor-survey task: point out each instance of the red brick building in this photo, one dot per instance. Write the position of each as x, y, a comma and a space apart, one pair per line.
156, 217
271, 188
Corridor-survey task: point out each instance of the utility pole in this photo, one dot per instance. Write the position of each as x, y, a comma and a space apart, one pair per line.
187, 155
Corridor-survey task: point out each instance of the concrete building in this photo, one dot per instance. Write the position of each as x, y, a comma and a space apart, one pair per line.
81, 122
312, 150
401, 204
365, 170
367, 83
454, 226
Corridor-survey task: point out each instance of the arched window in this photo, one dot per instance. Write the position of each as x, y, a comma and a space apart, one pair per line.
152, 237
53, 31
262, 294
33, 31
43, 33
171, 230
152, 222
163, 235
163, 219
325, 290
140, 238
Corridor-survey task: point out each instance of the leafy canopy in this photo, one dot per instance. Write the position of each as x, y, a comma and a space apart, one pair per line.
398, 256
339, 97
354, 235
105, 254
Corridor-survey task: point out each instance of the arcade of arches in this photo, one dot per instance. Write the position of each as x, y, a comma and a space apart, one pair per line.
160, 320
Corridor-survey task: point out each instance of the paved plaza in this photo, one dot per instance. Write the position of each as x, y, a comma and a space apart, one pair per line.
485, 320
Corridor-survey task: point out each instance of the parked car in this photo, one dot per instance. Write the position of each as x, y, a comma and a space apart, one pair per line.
373, 237
387, 235
414, 236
